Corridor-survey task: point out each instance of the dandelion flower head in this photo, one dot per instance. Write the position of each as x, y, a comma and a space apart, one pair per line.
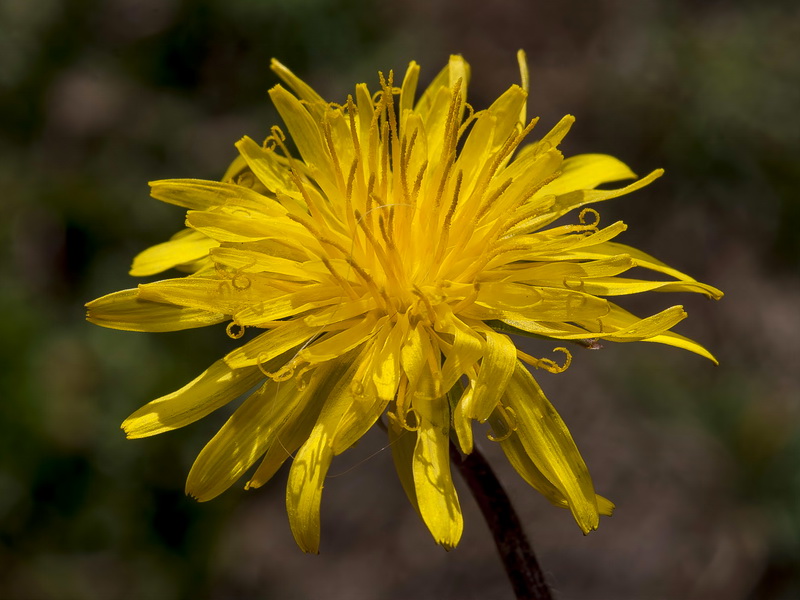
378, 254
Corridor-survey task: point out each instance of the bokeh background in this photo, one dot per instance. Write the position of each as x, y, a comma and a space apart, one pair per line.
97, 97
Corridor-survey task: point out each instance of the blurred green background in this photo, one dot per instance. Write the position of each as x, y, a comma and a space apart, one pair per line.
97, 97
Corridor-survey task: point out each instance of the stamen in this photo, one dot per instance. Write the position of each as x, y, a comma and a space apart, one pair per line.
352, 111
527, 214
545, 363
468, 119
417, 422
237, 333
327, 135
384, 159
444, 237
348, 190
487, 175
451, 127
589, 211
275, 137
317, 234
260, 360
432, 316
285, 373
492, 199
377, 293
523, 199
418, 182
241, 282
440, 190
312, 206
384, 231
391, 221
301, 383
348, 195
380, 252
370, 194
574, 283
408, 148
389, 95
374, 132
509, 418
343, 283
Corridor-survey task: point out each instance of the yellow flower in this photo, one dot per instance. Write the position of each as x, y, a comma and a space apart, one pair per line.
384, 265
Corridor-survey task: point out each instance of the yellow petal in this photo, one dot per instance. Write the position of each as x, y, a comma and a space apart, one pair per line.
547, 245
306, 477
433, 483
335, 345
619, 286
299, 87
363, 409
437, 498
414, 353
512, 300
184, 247
565, 273
496, 369
267, 166
304, 131
288, 440
127, 311
550, 446
641, 259
241, 440
236, 168
459, 399
402, 442
206, 293
268, 345
330, 318
214, 388
625, 327
527, 175
296, 430
408, 88
673, 339
605, 506
506, 109
304, 489
264, 312
586, 172
386, 367
426, 100
519, 459
198, 194
467, 348
236, 226
551, 140
571, 200
249, 261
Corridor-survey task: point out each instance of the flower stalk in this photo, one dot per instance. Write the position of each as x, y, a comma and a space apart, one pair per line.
515, 550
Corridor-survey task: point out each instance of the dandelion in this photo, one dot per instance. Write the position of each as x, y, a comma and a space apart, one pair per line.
382, 258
